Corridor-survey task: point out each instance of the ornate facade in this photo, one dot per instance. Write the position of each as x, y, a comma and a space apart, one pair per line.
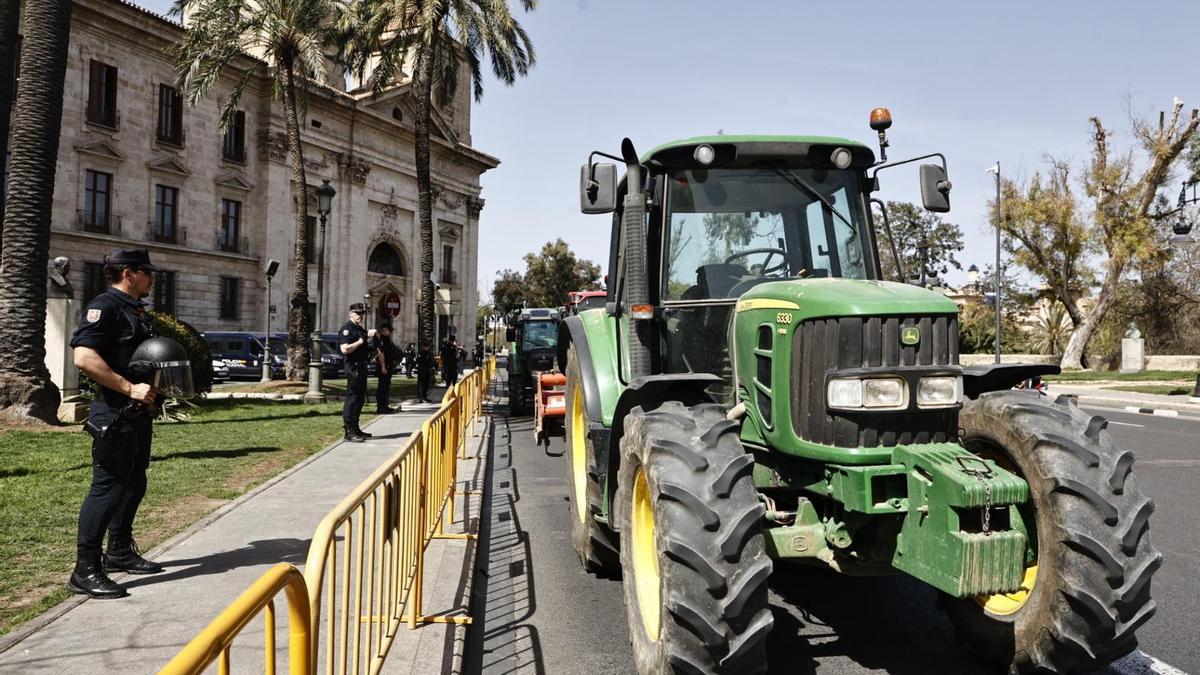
139, 168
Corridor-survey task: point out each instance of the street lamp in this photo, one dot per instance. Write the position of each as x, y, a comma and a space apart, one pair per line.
1182, 238
271, 268
999, 273
325, 195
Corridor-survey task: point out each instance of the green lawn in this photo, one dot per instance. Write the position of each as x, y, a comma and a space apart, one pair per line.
401, 387
227, 448
1161, 389
1112, 375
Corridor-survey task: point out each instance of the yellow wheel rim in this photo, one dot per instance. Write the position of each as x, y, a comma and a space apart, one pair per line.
579, 454
645, 555
1008, 603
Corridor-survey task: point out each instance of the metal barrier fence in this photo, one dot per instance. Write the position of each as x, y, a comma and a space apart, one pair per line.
365, 566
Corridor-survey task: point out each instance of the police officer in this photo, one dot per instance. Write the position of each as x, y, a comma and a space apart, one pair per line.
111, 328
354, 341
425, 367
389, 362
450, 362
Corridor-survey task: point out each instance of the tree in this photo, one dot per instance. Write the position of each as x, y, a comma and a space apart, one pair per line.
437, 36
913, 227
508, 292
1126, 198
291, 36
1051, 330
10, 11
555, 271
26, 390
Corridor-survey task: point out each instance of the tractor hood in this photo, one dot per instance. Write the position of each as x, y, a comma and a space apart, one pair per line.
814, 298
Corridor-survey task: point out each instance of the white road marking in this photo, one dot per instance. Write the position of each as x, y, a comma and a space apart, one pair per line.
1091, 406
1127, 424
1166, 413
1141, 663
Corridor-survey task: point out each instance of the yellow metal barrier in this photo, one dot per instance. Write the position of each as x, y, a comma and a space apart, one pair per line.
215, 640
365, 566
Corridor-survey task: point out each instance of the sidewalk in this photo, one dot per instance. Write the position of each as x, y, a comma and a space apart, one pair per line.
1095, 394
208, 566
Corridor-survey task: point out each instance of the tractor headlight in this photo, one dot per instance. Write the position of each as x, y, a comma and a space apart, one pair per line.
852, 393
939, 392
884, 393
845, 393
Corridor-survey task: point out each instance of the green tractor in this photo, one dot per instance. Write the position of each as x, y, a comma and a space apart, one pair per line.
754, 393
531, 334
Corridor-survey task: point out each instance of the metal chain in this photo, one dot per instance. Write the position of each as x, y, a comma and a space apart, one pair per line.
982, 475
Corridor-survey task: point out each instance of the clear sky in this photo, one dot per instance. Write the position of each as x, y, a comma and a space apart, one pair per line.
980, 82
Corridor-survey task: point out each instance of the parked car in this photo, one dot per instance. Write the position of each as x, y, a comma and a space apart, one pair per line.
220, 373
242, 353
332, 361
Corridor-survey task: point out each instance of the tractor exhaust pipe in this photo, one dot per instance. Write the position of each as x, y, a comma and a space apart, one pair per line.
637, 284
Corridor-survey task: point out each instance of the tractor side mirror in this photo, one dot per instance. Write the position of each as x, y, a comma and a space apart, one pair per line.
510, 334
598, 191
935, 188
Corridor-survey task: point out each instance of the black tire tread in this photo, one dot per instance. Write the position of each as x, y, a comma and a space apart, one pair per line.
713, 562
1096, 560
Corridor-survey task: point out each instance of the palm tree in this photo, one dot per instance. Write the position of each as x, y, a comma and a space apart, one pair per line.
1051, 330
9, 16
437, 36
26, 390
290, 36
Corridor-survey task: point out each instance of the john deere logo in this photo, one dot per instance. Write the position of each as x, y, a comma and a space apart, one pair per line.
910, 335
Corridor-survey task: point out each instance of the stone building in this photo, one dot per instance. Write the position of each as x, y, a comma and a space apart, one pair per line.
137, 167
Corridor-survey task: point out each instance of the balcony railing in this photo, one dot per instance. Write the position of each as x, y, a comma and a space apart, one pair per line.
87, 221
232, 244
448, 278
176, 235
109, 121
178, 139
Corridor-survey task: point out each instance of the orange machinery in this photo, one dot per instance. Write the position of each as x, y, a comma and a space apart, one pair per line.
549, 405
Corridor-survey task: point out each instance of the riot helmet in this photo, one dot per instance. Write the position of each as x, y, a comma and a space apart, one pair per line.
163, 364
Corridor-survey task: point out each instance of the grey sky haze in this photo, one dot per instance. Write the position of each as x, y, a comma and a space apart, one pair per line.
977, 81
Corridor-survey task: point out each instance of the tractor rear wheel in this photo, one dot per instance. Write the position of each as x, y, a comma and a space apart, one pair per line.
1087, 582
694, 567
593, 542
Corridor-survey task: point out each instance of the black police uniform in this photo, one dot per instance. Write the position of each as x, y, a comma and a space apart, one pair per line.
391, 361
356, 375
425, 366
114, 324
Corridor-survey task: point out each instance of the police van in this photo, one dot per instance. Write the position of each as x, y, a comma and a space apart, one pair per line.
242, 353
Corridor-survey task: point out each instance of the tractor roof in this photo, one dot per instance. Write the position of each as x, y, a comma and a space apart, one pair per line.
752, 138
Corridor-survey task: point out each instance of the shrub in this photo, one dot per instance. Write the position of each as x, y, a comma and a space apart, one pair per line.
182, 332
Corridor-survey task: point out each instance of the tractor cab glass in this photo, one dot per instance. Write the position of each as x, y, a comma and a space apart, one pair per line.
539, 334
729, 230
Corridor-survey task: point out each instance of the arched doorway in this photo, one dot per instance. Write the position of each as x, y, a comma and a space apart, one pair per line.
385, 259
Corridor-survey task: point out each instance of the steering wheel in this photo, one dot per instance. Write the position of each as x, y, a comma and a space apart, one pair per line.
771, 253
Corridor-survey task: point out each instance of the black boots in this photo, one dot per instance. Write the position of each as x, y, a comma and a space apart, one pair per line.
353, 436
89, 579
124, 556
362, 433
386, 411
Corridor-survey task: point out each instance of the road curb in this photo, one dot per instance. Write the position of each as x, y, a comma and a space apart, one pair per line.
1165, 409
462, 631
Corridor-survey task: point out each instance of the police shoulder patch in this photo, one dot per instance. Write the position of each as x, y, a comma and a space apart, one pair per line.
93, 315
346, 332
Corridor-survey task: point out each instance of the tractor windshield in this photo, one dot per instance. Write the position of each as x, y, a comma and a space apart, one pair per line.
536, 334
731, 229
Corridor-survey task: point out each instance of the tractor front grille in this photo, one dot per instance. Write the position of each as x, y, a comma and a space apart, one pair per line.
822, 345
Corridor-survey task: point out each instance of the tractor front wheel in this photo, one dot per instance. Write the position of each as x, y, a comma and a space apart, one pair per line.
694, 567
1087, 580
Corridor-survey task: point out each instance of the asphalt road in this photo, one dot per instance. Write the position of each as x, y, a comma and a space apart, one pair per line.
539, 612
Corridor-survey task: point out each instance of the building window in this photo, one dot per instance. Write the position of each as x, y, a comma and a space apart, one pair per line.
94, 282
385, 260
97, 201
170, 115
447, 274
230, 291
231, 225
164, 291
310, 248
233, 147
102, 95
165, 226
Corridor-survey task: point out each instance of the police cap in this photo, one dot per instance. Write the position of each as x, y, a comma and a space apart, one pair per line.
137, 258
358, 308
